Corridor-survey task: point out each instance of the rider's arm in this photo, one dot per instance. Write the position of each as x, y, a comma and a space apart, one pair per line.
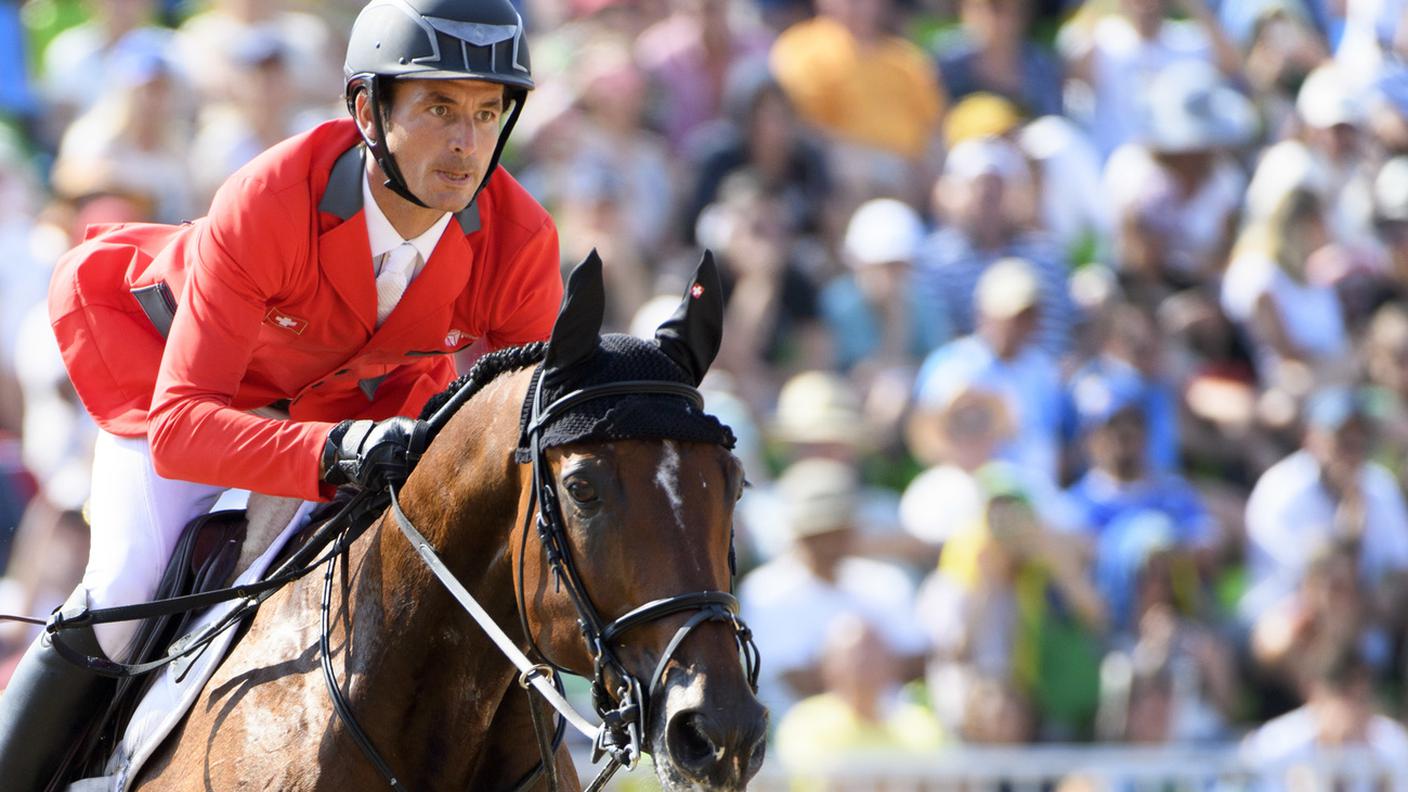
243, 254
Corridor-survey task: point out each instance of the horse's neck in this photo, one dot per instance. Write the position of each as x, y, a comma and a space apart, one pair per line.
427, 676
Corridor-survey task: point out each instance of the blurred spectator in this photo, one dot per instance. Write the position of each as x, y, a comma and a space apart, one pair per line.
1296, 327
774, 321
877, 318
1011, 602
1176, 194
986, 197
1391, 226
202, 47
1121, 499
1338, 714
851, 78
1283, 48
956, 439
861, 711
132, 141
1123, 55
1173, 680
1002, 357
1386, 362
761, 134
259, 112
1071, 208
688, 56
1327, 155
791, 601
1068, 205
1386, 111
1329, 611
1327, 490
613, 144
79, 62
991, 53
1131, 344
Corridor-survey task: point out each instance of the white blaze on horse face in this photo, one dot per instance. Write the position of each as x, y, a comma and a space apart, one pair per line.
667, 475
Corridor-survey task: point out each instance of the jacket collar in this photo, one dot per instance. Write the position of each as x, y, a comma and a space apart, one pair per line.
343, 197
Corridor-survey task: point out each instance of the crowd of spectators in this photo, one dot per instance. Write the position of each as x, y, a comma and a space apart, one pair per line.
1066, 344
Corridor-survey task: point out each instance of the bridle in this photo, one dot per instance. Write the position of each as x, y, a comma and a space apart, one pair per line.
623, 707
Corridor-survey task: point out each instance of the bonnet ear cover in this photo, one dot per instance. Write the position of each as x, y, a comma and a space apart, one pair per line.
576, 333
692, 335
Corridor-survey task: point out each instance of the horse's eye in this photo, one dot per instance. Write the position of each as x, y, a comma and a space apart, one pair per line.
581, 490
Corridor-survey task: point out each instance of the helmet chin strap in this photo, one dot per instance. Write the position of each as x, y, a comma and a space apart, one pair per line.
379, 150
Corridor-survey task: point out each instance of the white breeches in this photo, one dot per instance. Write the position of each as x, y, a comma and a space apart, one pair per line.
136, 519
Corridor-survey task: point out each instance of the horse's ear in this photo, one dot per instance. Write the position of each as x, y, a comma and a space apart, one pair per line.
691, 337
577, 331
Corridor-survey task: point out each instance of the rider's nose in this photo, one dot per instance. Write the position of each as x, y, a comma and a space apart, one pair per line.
715, 752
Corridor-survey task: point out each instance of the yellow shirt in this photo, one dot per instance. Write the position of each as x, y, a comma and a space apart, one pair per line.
886, 95
823, 730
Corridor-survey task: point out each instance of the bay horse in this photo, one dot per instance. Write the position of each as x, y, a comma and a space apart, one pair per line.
644, 483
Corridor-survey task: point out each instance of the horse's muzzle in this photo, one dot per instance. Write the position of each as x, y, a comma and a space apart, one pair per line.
709, 739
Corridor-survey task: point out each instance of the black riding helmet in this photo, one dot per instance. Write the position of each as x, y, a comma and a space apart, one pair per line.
436, 40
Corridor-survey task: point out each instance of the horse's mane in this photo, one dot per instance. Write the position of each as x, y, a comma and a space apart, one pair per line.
487, 368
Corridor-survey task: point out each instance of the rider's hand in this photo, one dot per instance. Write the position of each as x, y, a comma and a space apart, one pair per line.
371, 454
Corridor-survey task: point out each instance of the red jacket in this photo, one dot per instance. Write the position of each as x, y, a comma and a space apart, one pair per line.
277, 301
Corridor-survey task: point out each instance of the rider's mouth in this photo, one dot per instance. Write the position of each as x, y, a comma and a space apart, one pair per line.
454, 177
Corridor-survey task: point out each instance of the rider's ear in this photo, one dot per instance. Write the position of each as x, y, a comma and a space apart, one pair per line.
576, 333
691, 337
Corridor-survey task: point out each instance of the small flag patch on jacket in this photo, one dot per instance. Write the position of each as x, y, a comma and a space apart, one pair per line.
279, 319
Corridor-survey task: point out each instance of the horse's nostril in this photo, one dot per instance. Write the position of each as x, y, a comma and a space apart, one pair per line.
690, 745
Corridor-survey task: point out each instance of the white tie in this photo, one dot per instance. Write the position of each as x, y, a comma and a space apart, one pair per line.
396, 269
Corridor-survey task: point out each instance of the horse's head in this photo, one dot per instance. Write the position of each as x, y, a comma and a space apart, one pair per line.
641, 484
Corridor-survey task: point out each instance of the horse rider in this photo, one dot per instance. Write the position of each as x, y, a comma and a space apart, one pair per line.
278, 343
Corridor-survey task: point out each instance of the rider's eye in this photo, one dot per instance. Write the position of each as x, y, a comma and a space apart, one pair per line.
581, 490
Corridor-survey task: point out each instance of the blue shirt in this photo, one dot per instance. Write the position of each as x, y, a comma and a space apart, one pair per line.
856, 328
1040, 92
948, 266
1129, 521
1029, 385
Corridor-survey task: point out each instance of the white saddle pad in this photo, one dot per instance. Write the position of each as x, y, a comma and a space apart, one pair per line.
176, 686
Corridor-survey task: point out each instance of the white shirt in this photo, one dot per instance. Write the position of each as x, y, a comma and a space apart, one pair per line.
382, 237
789, 611
1310, 314
1289, 515
1273, 751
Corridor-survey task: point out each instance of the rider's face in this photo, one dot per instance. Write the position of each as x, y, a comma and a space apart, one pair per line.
442, 134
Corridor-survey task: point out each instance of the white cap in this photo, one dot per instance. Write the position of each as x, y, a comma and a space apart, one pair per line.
821, 495
882, 231
1327, 98
1191, 108
973, 158
1007, 288
1391, 190
819, 407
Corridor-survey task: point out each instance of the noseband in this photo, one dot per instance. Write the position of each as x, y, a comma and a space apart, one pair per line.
624, 707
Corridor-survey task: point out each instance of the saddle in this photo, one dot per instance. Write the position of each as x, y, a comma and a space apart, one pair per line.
212, 551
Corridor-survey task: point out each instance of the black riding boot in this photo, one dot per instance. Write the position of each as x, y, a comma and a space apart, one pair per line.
47, 707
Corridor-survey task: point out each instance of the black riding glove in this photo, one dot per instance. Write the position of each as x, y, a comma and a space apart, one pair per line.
371, 454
